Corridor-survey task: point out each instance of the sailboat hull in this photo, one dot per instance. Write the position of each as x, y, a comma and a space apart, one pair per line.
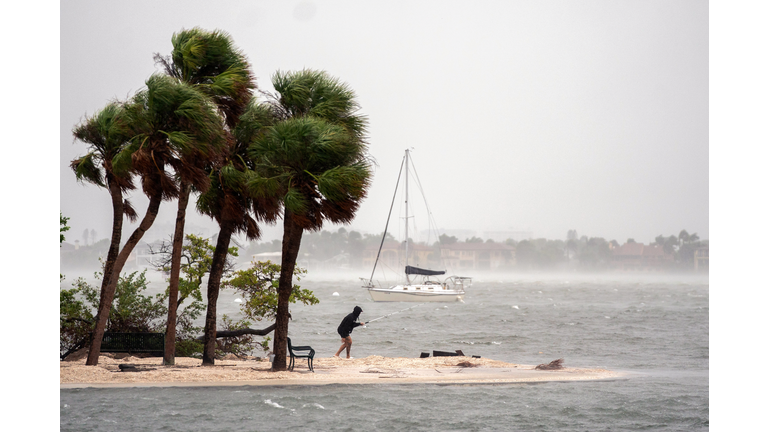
398, 294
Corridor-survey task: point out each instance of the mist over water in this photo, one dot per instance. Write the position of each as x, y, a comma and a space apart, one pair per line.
656, 328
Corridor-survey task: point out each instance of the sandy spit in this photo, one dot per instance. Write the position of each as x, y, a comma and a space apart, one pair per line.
187, 371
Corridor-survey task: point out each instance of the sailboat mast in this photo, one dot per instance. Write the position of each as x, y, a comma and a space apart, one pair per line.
408, 278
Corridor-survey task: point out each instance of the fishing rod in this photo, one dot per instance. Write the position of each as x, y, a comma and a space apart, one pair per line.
376, 319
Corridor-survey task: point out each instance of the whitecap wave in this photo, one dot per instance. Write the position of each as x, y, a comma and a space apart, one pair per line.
274, 404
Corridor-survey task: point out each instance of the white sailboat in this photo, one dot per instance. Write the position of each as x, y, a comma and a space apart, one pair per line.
419, 285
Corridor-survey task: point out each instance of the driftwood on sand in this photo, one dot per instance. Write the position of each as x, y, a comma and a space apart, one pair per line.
553, 365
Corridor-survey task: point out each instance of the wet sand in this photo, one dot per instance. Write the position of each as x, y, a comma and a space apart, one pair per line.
189, 372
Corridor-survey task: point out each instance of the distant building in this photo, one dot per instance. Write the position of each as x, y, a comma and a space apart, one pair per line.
637, 257
142, 255
701, 259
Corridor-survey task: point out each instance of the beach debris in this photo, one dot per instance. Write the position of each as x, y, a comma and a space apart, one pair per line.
377, 370
447, 353
124, 367
553, 365
466, 364
336, 294
424, 355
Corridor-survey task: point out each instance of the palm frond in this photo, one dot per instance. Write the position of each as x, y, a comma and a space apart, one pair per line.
86, 170
129, 212
295, 201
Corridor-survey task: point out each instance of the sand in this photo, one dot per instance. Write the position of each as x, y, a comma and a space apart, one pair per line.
367, 370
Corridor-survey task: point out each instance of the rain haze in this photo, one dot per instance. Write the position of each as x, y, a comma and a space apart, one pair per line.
532, 117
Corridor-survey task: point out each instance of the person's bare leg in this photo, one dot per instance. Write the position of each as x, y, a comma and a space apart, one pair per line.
343, 344
349, 345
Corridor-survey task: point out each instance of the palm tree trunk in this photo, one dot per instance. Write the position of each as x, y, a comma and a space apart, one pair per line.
114, 245
108, 294
169, 356
214, 282
291, 243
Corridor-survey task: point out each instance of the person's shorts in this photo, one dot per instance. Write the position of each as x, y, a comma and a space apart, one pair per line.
343, 335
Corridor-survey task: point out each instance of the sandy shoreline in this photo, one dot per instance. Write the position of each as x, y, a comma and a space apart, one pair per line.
368, 370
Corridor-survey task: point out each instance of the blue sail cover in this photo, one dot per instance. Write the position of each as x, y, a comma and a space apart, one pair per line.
410, 270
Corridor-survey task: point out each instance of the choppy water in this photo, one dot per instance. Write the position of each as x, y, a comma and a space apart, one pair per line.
657, 329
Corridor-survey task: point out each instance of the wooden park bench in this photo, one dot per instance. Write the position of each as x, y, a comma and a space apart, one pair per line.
134, 343
310, 354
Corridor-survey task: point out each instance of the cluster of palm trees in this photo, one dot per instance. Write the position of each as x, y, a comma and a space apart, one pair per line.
298, 154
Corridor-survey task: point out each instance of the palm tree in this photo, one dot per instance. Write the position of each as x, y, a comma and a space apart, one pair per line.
102, 134
229, 202
167, 122
210, 62
314, 161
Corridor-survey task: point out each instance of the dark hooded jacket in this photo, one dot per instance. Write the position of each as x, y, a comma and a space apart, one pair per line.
349, 322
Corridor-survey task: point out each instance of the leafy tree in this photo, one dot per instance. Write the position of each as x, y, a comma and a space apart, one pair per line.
310, 156
595, 254
75, 322
210, 62
62, 228
195, 263
259, 287
510, 242
446, 239
474, 239
571, 246
131, 311
540, 253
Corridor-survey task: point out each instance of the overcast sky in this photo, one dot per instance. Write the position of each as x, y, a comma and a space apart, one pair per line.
539, 116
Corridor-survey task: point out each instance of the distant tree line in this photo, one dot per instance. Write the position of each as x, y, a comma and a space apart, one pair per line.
579, 253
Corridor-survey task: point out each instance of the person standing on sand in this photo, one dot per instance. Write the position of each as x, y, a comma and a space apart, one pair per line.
345, 329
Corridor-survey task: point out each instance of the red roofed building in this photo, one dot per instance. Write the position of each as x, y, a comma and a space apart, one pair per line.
637, 257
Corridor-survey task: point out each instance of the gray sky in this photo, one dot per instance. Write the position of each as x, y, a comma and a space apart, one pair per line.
538, 116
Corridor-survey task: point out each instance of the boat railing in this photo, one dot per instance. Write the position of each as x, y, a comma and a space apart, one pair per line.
463, 281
